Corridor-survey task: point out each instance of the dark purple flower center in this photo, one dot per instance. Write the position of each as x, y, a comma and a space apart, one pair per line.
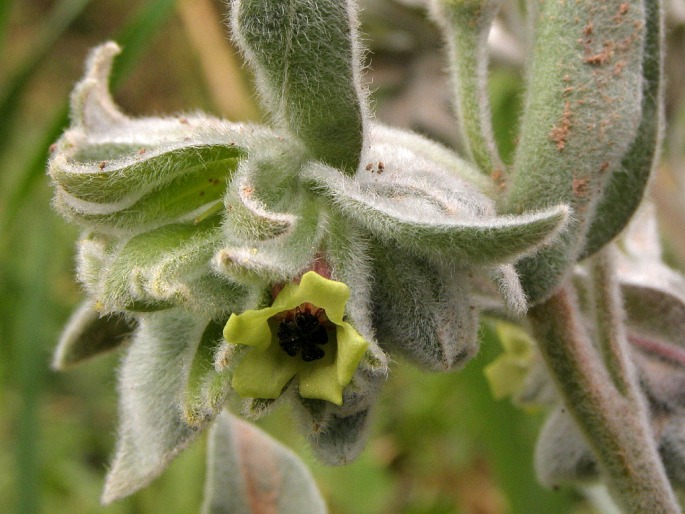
302, 332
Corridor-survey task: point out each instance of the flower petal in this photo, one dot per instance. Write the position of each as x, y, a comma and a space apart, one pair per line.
264, 373
250, 328
351, 349
319, 291
318, 379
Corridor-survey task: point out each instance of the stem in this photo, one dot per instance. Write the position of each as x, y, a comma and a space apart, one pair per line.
615, 425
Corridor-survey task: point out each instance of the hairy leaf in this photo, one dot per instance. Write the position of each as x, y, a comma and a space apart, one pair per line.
248, 472
583, 108
305, 56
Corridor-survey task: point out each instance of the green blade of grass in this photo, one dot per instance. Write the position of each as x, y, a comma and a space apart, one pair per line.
5, 9
134, 39
59, 19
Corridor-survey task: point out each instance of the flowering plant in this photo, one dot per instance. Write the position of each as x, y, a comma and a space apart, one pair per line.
253, 263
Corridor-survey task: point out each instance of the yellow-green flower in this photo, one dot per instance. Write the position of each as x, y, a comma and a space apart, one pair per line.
288, 339
507, 374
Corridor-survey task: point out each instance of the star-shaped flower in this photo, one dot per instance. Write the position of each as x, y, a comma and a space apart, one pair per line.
303, 334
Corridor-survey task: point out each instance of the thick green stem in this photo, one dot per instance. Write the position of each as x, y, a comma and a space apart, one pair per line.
615, 425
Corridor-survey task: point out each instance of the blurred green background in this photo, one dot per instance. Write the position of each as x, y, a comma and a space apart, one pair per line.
439, 443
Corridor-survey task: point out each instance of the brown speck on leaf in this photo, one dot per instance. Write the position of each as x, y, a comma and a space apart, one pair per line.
202, 193
186, 139
142, 151
184, 121
580, 186
102, 165
497, 176
369, 167
559, 132
381, 167
52, 148
600, 57
604, 167
623, 9
618, 68
248, 190
588, 29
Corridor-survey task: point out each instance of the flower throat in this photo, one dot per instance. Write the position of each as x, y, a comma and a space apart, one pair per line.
303, 332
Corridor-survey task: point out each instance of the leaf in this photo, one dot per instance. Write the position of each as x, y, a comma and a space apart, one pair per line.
423, 311
283, 257
88, 334
465, 26
183, 199
561, 453
627, 185
103, 173
168, 266
306, 60
428, 222
207, 388
152, 383
582, 112
248, 472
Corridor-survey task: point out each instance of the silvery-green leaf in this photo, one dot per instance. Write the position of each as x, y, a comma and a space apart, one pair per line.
88, 334
423, 311
264, 194
152, 382
100, 130
510, 289
282, 257
627, 185
306, 61
454, 222
561, 453
410, 151
163, 266
102, 183
207, 388
182, 200
345, 252
248, 472
465, 26
582, 112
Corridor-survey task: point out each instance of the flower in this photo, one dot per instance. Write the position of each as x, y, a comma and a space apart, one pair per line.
273, 362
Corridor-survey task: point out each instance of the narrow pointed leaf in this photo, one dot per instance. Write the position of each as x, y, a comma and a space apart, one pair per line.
426, 224
88, 334
152, 382
465, 26
207, 388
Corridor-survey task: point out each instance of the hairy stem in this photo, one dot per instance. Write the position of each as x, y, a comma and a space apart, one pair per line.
615, 425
